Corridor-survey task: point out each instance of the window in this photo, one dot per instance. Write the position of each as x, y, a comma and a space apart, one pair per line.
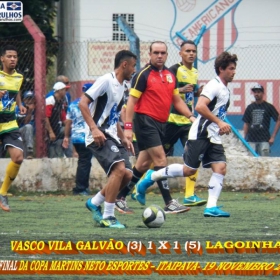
118, 34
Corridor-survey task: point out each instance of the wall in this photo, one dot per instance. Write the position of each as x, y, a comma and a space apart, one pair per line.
244, 172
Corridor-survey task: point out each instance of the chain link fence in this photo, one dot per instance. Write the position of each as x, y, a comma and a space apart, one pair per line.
84, 62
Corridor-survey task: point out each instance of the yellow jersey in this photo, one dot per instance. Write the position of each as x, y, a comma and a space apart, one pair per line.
12, 84
184, 76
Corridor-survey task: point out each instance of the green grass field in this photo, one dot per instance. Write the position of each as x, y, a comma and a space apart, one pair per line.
254, 217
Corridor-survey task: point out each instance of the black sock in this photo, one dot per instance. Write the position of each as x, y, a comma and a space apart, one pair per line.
163, 187
135, 178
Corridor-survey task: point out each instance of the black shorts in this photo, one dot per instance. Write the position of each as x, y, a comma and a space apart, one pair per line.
204, 151
149, 132
110, 153
12, 139
173, 133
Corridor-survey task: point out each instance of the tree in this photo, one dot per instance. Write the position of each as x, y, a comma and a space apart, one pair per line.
43, 12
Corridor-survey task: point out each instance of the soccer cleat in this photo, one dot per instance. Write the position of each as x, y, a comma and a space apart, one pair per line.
121, 206
194, 200
175, 207
96, 211
111, 222
4, 203
142, 186
215, 212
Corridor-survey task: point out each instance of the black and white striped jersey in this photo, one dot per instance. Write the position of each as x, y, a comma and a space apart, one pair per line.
219, 95
107, 100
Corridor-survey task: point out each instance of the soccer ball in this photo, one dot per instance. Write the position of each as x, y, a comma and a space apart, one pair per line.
153, 216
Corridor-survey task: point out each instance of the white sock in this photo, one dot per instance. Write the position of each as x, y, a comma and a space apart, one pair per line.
214, 189
98, 199
172, 170
108, 210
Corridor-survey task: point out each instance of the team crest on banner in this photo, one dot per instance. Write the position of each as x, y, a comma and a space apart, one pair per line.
218, 17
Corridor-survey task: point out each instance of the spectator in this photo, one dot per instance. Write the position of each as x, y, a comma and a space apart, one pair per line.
75, 119
55, 119
26, 123
65, 80
257, 123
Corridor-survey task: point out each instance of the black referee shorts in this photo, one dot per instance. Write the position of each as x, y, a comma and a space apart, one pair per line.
149, 132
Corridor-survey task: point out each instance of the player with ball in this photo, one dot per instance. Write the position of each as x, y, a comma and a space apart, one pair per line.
204, 144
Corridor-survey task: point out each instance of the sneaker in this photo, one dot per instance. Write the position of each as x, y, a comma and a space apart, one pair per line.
83, 193
194, 200
4, 203
96, 211
175, 207
111, 222
121, 206
215, 212
142, 186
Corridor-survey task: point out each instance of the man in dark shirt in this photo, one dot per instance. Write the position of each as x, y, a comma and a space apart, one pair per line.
257, 122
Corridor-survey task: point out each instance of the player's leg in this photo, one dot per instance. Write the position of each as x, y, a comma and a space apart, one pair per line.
190, 199
83, 169
113, 164
121, 203
13, 143
215, 158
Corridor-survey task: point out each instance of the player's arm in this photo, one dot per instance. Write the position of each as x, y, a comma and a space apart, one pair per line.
22, 109
182, 108
132, 100
202, 108
126, 143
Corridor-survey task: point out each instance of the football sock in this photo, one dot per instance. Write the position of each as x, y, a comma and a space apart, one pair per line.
190, 184
214, 189
108, 210
163, 187
11, 173
98, 199
136, 175
172, 170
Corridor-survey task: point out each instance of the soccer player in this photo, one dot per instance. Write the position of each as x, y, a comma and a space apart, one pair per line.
178, 126
10, 138
100, 107
153, 90
204, 144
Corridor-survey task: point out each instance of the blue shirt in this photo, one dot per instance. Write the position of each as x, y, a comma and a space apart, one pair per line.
78, 123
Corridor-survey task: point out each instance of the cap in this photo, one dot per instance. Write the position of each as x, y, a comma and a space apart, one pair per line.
59, 85
86, 87
28, 94
257, 87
